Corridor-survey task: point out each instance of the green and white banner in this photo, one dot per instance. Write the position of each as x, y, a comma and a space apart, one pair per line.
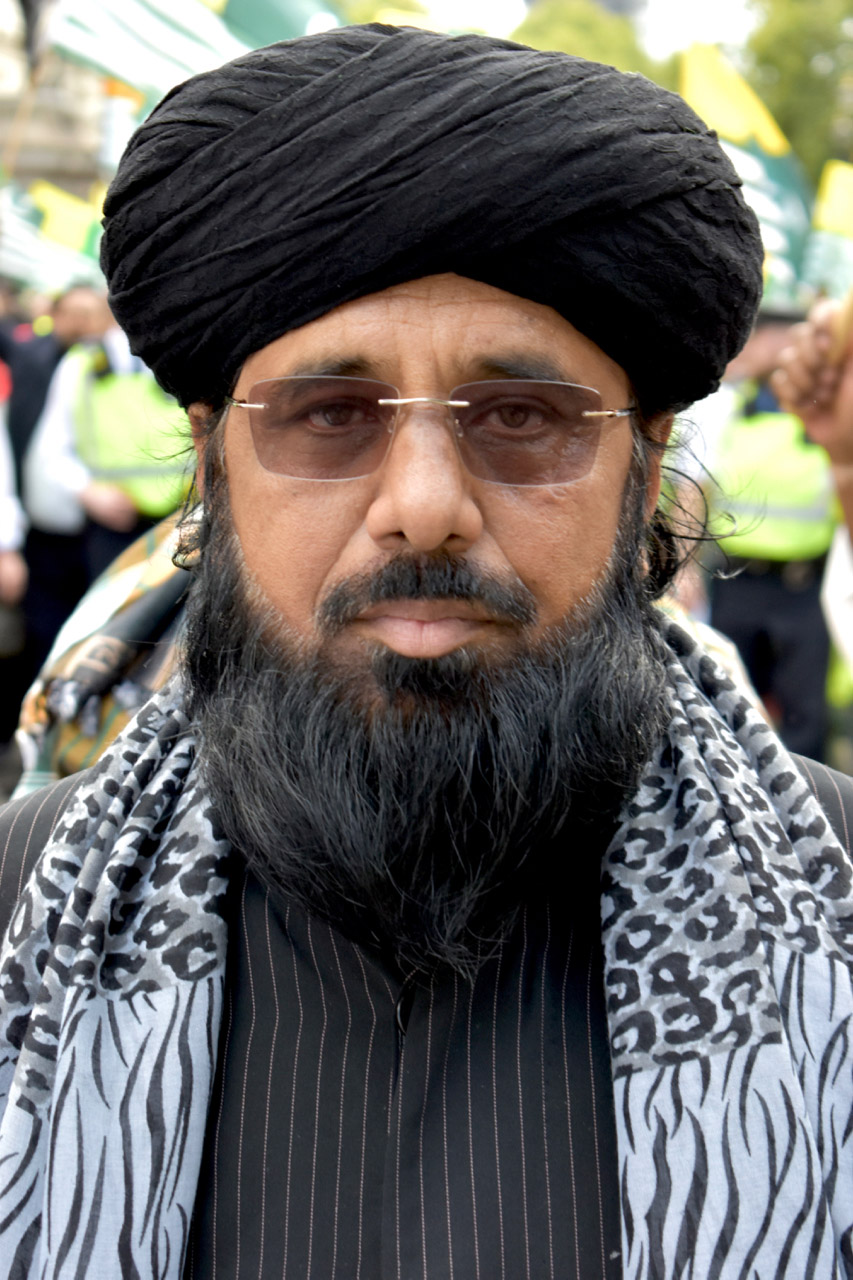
774, 183
150, 44
155, 44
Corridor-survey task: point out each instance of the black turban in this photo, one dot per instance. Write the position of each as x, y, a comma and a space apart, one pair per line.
261, 195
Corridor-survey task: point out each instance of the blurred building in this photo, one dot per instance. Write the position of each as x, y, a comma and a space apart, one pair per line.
60, 136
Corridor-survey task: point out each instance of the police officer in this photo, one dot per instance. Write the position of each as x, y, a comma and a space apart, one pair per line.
774, 511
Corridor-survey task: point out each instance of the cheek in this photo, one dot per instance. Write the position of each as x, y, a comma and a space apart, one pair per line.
292, 533
559, 541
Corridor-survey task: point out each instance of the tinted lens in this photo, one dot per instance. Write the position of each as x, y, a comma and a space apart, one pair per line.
321, 428
522, 433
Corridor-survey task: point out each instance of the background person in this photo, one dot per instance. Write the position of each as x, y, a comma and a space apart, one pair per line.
105, 462
106, 452
77, 314
773, 477
13, 581
815, 380
55, 571
13, 568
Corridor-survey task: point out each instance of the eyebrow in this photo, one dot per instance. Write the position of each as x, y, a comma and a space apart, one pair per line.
343, 367
522, 366
500, 366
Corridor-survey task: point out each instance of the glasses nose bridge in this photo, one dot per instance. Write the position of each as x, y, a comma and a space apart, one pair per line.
429, 406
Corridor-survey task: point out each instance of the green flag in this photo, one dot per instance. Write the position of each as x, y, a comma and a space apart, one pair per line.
150, 44
774, 184
259, 22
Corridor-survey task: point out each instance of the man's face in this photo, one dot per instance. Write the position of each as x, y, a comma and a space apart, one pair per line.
80, 314
302, 538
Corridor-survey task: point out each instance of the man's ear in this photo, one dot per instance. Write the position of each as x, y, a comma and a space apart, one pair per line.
199, 417
658, 430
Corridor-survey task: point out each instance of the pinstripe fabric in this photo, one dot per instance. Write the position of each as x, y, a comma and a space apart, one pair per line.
480, 1143
827, 785
27, 826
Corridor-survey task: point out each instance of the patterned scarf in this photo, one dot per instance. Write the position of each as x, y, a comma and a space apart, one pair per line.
728, 930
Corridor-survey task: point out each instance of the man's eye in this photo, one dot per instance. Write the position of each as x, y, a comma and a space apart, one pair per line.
517, 416
339, 413
514, 415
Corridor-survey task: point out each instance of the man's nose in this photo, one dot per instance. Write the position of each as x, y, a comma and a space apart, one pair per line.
425, 496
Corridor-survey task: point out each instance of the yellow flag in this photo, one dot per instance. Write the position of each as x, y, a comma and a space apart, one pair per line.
67, 219
405, 17
833, 209
724, 100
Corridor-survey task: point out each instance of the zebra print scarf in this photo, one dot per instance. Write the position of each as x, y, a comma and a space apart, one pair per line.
727, 917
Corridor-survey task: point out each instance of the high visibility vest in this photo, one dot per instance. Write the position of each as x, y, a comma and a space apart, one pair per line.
128, 433
778, 487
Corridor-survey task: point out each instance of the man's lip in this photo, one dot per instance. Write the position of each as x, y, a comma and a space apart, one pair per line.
425, 628
427, 611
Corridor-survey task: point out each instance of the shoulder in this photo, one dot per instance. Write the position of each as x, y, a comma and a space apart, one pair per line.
834, 793
26, 825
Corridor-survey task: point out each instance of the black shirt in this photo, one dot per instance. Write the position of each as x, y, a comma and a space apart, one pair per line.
363, 1126
32, 362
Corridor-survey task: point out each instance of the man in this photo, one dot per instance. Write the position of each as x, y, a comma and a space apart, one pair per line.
105, 459
310, 978
777, 484
76, 315
54, 567
13, 569
815, 380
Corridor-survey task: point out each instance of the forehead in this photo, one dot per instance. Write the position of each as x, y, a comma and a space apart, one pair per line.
443, 329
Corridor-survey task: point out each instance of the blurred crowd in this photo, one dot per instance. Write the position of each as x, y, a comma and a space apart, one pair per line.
766, 465
91, 456
93, 460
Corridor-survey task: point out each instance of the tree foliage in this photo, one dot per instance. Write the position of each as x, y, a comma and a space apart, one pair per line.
586, 28
800, 62
394, 11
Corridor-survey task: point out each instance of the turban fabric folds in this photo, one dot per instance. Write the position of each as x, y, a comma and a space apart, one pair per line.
259, 196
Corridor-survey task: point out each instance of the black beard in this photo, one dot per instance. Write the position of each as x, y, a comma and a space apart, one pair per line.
415, 804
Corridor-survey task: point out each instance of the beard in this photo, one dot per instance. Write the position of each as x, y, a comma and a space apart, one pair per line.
416, 804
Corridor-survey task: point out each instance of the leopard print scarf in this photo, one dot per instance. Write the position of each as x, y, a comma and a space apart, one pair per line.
727, 917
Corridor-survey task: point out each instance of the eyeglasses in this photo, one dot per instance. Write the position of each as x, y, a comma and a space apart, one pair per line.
510, 431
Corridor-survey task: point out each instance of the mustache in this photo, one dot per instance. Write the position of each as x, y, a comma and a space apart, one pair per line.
426, 577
